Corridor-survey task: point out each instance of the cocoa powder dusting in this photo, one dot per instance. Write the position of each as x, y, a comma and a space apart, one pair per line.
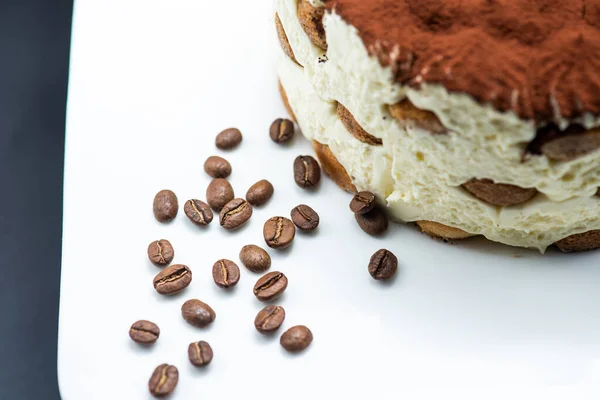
538, 58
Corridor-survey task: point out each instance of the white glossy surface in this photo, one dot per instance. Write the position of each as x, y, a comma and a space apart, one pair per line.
151, 85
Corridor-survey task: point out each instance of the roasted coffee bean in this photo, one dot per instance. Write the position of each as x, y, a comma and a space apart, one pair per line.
165, 206
228, 139
383, 264
297, 338
374, 222
200, 353
305, 218
255, 258
279, 232
219, 193
362, 202
197, 313
307, 172
172, 279
198, 212
226, 273
164, 380
160, 252
269, 319
144, 332
217, 167
270, 286
235, 214
281, 130
259, 193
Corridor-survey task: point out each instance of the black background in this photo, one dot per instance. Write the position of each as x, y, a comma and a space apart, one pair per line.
34, 57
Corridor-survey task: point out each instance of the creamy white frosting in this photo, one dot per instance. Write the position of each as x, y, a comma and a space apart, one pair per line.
419, 174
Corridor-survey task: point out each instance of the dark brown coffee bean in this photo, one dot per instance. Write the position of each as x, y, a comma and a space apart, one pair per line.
165, 206
200, 353
160, 252
270, 286
281, 130
197, 313
279, 232
269, 319
217, 167
307, 172
144, 332
305, 218
226, 273
362, 202
198, 212
219, 193
374, 222
297, 338
172, 279
383, 264
259, 193
255, 258
235, 214
228, 139
164, 380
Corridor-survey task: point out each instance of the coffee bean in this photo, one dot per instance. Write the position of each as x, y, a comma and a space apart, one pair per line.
269, 319
164, 380
307, 172
198, 212
270, 286
362, 202
200, 353
374, 222
235, 214
144, 332
172, 279
228, 139
297, 338
259, 193
165, 206
226, 273
255, 258
281, 130
383, 264
279, 232
219, 193
160, 252
217, 167
305, 218
197, 313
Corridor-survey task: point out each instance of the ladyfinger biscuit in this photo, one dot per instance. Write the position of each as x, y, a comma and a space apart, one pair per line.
499, 194
437, 230
333, 168
311, 19
354, 128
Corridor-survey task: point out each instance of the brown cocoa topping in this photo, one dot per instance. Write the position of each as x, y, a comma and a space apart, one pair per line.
539, 59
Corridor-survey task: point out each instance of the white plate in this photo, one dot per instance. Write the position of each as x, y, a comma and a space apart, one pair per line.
151, 84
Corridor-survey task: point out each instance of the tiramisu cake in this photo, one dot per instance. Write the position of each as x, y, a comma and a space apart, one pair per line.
468, 117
